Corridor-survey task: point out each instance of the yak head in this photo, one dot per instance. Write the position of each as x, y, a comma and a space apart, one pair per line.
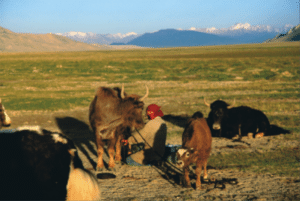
219, 111
131, 108
4, 118
185, 156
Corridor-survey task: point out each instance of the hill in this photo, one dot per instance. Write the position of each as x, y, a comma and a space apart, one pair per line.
292, 35
180, 38
16, 42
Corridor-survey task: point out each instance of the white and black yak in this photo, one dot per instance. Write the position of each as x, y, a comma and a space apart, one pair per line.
37, 164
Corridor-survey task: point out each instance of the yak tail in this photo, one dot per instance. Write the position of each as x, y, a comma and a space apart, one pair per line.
276, 130
82, 185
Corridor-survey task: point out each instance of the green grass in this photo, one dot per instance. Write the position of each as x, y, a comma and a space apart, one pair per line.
49, 103
282, 162
179, 78
219, 63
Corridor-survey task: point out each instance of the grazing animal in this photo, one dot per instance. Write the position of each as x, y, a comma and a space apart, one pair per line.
37, 164
230, 122
196, 146
4, 118
113, 114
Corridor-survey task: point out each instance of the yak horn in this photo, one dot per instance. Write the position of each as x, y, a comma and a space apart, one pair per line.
146, 95
231, 106
206, 103
122, 92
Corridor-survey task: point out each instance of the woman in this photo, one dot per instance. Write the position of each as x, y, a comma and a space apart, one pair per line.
153, 136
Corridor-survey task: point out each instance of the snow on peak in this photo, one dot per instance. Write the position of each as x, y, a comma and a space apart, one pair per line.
119, 35
212, 29
240, 26
73, 33
244, 27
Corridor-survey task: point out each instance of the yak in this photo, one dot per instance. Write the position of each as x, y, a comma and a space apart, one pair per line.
196, 147
113, 115
37, 164
231, 122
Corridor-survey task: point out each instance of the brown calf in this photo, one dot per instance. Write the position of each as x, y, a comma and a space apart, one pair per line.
113, 114
196, 146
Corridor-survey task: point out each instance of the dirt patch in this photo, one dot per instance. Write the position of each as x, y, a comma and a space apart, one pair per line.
163, 182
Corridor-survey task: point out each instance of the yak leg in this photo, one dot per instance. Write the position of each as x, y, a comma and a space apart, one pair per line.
205, 169
100, 151
111, 153
118, 156
186, 177
198, 170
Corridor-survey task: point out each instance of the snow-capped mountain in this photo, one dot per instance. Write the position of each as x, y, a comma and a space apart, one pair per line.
235, 34
100, 38
246, 33
237, 28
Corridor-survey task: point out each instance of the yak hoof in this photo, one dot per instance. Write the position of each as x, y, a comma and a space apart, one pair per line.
99, 169
258, 135
198, 188
111, 169
236, 137
250, 135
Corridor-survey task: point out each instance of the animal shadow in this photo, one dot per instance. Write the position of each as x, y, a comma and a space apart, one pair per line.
80, 133
179, 120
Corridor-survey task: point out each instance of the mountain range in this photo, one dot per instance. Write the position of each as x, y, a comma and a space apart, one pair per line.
236, 34
180, 38
79, 41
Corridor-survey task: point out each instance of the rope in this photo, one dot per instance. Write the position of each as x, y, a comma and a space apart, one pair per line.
157, 152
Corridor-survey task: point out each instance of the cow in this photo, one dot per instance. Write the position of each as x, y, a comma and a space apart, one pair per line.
4, 118
112, 115
196, 147
234, 122
37, 164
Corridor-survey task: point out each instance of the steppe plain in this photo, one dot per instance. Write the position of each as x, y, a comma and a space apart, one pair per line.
54, 90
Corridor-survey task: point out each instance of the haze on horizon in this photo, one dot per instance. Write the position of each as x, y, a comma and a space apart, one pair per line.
111, 17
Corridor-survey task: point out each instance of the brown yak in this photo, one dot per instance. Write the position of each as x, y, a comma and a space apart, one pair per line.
113, 114
196, 146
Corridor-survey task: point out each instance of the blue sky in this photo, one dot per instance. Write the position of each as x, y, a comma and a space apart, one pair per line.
123, 16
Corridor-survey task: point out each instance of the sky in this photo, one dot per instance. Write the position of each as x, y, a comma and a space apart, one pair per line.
141, 16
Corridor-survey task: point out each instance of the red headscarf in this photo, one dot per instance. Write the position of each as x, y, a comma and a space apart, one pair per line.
154, 111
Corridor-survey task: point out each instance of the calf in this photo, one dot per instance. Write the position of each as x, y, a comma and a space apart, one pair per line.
4, 118
37, 164
196, 146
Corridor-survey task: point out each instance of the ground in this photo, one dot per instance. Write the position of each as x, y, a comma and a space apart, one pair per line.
150, 182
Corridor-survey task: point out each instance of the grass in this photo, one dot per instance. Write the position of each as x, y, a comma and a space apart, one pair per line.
282, 162
262, 76
179, 78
